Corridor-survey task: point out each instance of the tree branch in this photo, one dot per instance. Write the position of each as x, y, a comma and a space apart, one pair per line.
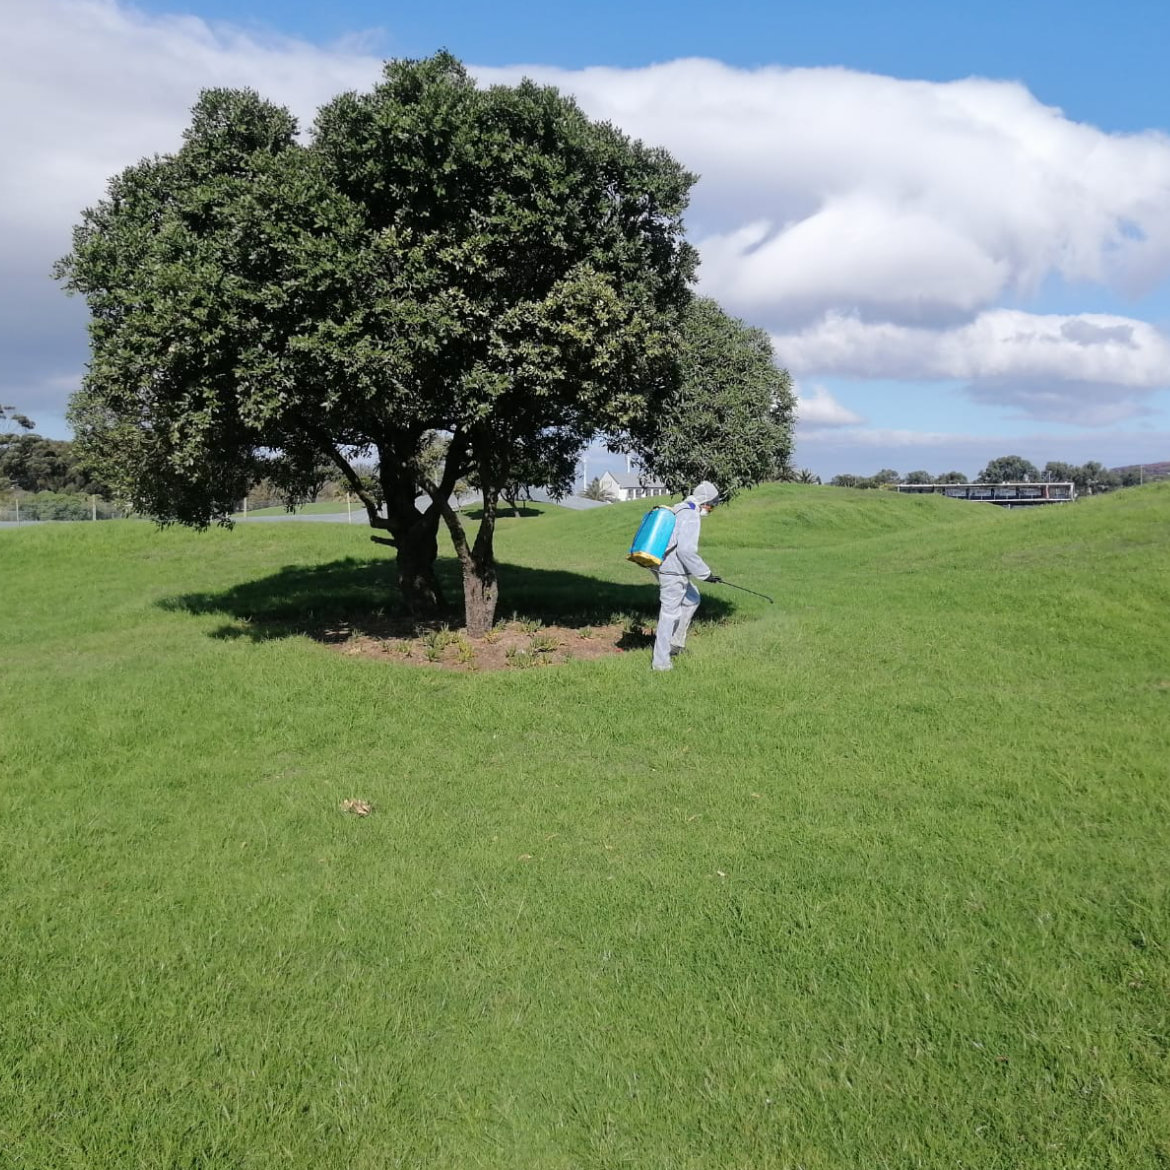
356, 486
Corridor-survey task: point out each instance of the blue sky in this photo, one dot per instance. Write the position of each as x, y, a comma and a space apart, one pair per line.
954, 220
1103, 64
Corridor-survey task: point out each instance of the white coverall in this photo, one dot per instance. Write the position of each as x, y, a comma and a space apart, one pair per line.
678, 598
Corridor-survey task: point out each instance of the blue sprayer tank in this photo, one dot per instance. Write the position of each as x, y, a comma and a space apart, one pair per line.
652, 540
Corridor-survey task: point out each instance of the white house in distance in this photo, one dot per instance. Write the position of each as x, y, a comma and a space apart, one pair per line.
627, 486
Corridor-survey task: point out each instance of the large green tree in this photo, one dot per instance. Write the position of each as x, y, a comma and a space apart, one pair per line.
1094, 477
730, 417
1056, 471
1008, 469
32, 463
487, 265
36, 464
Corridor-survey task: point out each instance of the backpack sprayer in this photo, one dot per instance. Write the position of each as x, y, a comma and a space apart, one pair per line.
651, 546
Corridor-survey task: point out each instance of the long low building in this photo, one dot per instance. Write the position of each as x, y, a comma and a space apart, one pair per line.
1008, 495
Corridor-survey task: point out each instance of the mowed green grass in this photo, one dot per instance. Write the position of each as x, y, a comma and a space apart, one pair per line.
877, 877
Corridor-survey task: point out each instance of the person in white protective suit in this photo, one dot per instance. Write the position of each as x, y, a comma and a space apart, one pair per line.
678, 597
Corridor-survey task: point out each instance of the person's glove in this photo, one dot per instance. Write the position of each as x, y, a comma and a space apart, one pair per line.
713, 580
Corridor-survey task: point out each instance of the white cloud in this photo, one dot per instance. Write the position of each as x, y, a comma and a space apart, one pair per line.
853, 252
1092, 368
90, 86
915, 200
821, 409
865, 437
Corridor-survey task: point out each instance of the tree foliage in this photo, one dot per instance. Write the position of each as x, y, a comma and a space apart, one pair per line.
802, 475
487, 265
1093, 477
730, 418
598, 491
1008, 469
9, 414
31, 463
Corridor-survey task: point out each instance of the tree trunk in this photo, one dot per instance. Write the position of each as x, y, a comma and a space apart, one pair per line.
415, 533
481, 592
481, 588
418, 549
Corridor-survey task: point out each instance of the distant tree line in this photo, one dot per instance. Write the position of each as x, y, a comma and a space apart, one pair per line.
1089, 478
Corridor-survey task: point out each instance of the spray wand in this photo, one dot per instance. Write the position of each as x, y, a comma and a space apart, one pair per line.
720, 581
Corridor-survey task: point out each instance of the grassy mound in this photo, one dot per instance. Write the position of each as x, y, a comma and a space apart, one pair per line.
875, 877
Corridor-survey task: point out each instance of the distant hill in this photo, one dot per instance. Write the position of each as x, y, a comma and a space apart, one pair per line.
1150, 471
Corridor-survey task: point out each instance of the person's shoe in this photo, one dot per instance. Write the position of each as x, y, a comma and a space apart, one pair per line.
661, 667
675, 651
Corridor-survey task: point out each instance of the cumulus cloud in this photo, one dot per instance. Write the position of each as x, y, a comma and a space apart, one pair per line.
1091, 369
821, 409
88, 87
875, 224
911, 199
887, 437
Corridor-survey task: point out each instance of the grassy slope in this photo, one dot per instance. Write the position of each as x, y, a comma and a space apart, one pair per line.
876, 877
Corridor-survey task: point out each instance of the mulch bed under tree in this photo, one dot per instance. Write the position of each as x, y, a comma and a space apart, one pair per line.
510, 645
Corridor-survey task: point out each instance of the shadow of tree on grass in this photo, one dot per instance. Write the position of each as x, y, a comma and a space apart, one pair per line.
335, 601
505, 512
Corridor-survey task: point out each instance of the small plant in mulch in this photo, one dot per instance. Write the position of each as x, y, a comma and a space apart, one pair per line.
520, 659
437, 641
544, 644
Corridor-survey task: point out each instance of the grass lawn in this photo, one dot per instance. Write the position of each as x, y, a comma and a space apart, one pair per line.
875, 878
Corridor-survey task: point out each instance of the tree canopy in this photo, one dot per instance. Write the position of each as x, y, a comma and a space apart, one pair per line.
32, 463
483, 264
1008, 469
729, 419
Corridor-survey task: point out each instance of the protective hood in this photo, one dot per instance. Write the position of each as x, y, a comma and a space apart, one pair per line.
704, 493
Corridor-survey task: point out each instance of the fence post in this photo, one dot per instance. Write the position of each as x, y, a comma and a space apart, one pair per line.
93, 507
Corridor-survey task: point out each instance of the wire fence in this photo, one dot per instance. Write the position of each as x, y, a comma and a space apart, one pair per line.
37, 507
